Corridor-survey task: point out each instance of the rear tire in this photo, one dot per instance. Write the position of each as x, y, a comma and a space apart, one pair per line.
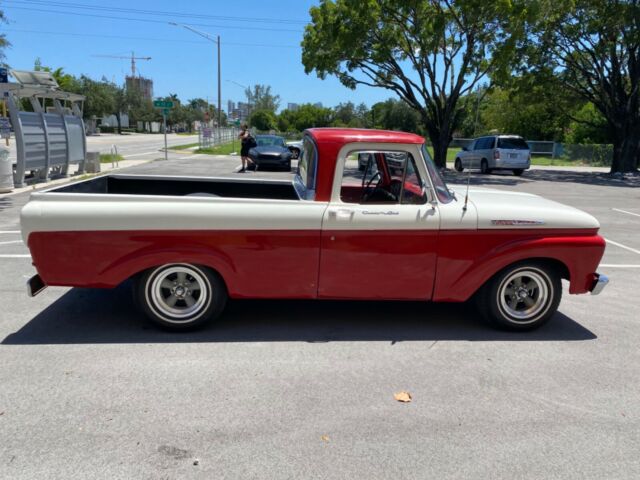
180, 296
523, 296
458, 165
484, 166
295, 153
518, 171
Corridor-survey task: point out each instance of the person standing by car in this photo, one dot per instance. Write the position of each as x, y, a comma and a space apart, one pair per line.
247, 142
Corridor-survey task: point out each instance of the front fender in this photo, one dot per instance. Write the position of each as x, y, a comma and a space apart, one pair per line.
466, 261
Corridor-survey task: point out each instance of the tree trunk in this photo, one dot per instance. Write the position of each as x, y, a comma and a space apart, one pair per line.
119, 123
626, 146
440, 141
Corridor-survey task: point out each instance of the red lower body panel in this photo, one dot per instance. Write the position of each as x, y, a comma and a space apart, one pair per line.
407, 264
254, 264
466, 262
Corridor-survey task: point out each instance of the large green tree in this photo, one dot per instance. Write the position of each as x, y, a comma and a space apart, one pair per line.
4, 43
594, 46
261, 98
263, 120
429, 52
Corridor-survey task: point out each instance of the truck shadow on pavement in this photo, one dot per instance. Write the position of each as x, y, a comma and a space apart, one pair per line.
506, 178
109, 316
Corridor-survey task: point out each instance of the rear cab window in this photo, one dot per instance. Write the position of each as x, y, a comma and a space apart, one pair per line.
305, 180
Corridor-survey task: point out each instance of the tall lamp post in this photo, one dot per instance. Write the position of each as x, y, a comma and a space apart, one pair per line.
217, 42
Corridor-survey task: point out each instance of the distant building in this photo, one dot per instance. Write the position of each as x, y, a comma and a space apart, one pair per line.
292, 106
238, 111
318, 104
145, 85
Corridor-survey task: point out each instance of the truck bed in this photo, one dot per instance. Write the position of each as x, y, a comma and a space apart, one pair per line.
183, 186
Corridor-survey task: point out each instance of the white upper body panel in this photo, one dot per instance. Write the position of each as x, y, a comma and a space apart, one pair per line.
500, 209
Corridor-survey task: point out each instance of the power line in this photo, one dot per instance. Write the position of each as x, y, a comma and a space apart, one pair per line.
84, 6
145, 20
123, 37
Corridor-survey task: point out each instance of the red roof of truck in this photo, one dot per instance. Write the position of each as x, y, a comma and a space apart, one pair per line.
348, 135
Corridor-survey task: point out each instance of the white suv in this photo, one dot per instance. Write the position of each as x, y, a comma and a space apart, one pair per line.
495, 152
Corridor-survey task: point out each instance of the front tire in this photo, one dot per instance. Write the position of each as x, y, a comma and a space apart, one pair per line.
521, 297
484, 166
458, 165
518, 171
181, 296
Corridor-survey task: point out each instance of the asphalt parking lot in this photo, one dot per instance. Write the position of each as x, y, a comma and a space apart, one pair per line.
282, 389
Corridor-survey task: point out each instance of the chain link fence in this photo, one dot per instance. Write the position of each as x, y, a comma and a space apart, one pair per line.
212, 137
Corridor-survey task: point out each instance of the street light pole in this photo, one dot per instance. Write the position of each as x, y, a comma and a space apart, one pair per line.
217, 42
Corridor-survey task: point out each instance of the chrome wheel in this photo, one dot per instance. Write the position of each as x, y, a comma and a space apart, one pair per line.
523, 296
178, 293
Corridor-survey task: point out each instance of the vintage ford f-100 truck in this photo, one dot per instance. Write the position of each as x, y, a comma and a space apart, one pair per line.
390, 231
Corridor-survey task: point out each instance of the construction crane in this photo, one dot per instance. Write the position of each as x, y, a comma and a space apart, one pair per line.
133, 59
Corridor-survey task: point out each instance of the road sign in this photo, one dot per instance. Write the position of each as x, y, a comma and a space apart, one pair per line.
237, 122
163, 104
165, 111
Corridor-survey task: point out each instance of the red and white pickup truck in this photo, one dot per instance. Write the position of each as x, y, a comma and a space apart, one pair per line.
391, 232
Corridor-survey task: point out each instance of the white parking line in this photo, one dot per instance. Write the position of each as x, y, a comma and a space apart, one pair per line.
10, 231
624, 211
191, 156
610, 265
12, 242
622, 246
19, 255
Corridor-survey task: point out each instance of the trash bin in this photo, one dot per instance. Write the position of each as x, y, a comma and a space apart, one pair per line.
6, 171
92, 163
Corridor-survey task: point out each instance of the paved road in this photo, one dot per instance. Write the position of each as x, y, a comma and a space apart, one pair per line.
138, 146
305, 390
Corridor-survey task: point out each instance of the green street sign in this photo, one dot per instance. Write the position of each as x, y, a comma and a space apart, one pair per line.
237, 122
163, 103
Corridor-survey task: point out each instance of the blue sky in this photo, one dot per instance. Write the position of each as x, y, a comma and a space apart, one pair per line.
182, 62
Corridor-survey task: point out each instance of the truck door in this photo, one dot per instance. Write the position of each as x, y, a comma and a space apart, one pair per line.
379, 232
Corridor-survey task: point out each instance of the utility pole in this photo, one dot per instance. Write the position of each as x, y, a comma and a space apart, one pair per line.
219, 95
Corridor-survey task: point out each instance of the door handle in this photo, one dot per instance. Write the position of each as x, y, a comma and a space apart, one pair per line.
343, 213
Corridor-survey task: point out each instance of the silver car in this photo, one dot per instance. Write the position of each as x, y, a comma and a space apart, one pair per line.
495, 152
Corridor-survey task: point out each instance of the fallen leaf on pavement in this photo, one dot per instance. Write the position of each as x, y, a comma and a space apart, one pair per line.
403, 397
325, 438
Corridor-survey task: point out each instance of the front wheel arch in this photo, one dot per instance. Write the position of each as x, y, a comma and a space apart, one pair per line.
500, 305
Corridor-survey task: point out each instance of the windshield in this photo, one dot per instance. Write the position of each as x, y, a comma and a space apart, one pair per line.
268, 141
442, 191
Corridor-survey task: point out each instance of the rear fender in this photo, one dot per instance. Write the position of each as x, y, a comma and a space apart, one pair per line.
137, 262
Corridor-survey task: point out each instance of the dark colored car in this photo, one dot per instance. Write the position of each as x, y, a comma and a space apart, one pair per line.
271, 151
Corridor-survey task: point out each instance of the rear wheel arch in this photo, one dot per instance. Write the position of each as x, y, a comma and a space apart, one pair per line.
180, 296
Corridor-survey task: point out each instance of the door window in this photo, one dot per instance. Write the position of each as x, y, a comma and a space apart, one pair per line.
381, 177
